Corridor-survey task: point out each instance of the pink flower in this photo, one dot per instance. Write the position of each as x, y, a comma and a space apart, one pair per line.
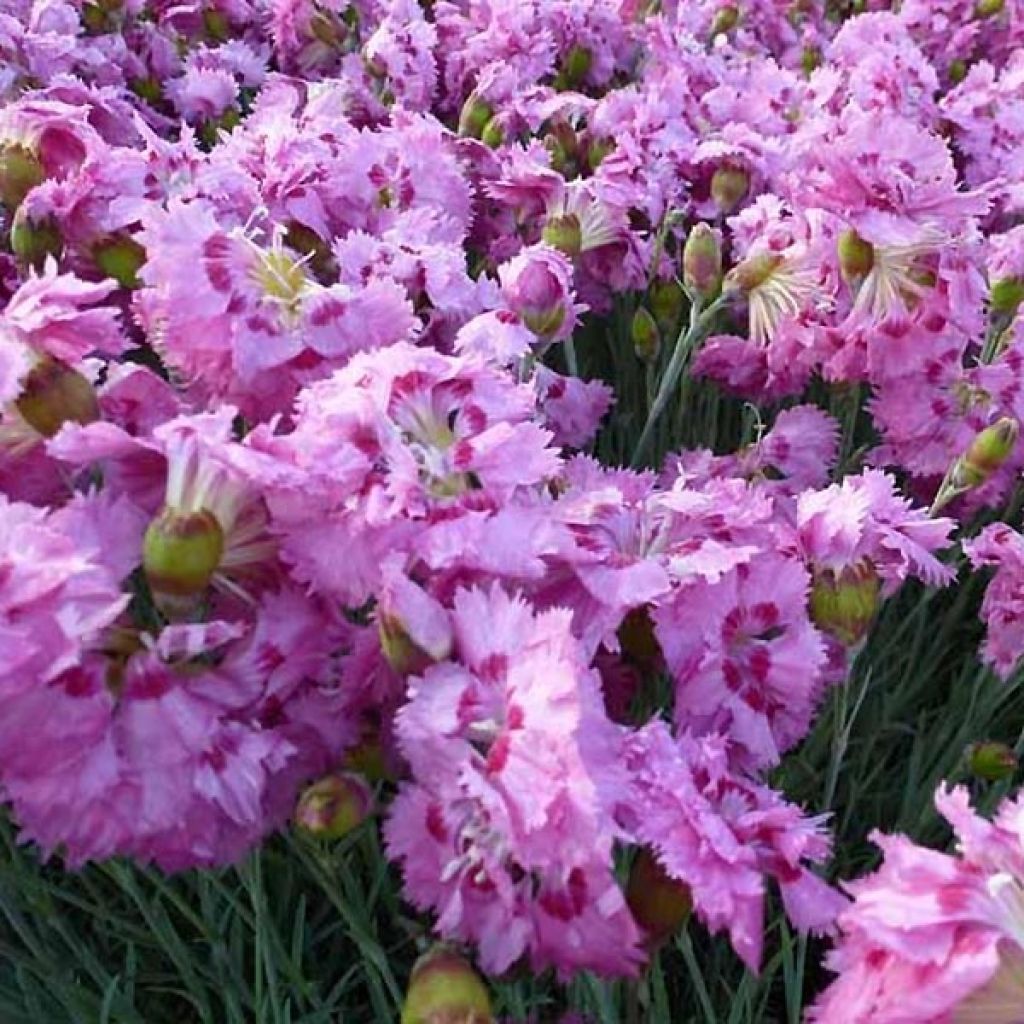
865, 518
722, 834
746, 660
1003, 608
506, 829
932, 938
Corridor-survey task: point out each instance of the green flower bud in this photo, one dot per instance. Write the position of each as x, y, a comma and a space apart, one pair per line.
120, 257
666, 301
728, 187
989, 8
597, 151
844, 604
333, 806
475, 115
576, 65
990, 448
444, 989
702, 262
20, 172
32, 242
660, 905
810, 59
1006, 295
181, 551
726, 20
991, 761
645, 336
54, 394
856, 256
957, 71
753, 272
493, 134
215, 23
564, 233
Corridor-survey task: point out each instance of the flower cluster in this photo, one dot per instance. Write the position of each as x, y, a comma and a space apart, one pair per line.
301, 479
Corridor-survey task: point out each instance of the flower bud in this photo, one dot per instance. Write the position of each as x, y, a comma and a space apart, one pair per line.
32, 242
54, 394
216, 25
957, 71
180, 553
333, 806
753, 272
493, 134
728, 187
666, 301
645, 336
844, 603
20, 172
702, 261
856, 256
575, 68
536, 287
726, 20
1006, 295
810, 59
660, 904
989, 8
120, 257
565, 233
990, 448
444, 989
474, 117
991, 761
597, 151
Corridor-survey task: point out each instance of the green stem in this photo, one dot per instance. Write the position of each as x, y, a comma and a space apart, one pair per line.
685, 344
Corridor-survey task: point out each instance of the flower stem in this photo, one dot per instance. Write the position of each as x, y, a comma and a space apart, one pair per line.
687, 341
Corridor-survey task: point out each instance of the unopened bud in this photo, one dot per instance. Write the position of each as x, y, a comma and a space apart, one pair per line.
32, 242
810, 59
844, 603
576, 65
666, 302
1006, 295
121, 258
728, 187
444, 989
493, 134
645, 336
564, 233
751, 273
988, 451
20, 172
957, 71
856, 256
216, 25
333, 806
597, 151
474, 117
726, 20
54, 394
660, 904
989, 8
991, 761
702, 261
180, 553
